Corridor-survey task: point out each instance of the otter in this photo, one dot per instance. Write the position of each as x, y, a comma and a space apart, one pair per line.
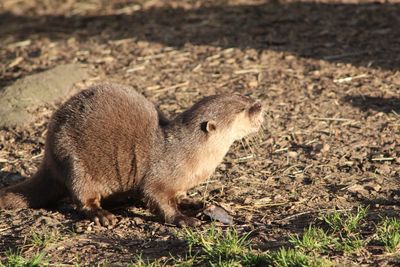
109, 139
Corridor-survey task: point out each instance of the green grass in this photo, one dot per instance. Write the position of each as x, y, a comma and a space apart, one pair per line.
217, 244
346, 223
220, 247
350, 244
313, 239
294, 258
43, 237
343, 234
228, 248
388, 232
171, 261
14, 259
345, 229
39, 239
139, 262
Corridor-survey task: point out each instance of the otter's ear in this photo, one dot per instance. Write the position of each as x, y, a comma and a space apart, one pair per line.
255, 108
209, 126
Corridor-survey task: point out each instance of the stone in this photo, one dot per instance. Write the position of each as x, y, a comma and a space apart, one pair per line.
218, 213
28, 93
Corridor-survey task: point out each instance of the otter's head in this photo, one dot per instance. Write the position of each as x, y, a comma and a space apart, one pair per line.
228, 116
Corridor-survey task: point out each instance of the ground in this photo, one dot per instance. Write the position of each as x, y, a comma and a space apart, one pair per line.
327, 73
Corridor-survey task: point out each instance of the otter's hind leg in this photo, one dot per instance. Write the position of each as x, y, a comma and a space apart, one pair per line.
87, 194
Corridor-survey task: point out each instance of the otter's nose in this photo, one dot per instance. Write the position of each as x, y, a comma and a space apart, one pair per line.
255, 108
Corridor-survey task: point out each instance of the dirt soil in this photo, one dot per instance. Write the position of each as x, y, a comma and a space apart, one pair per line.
326, 71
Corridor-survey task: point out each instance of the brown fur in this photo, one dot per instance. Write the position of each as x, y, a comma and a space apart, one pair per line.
110, 139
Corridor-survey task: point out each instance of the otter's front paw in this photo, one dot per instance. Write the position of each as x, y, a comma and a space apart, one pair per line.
182, 220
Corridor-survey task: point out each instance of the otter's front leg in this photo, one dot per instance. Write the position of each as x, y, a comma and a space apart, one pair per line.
164, 202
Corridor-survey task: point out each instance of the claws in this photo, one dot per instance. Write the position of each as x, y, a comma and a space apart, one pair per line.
103, 218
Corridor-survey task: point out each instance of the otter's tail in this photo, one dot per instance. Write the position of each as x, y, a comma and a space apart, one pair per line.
37, 192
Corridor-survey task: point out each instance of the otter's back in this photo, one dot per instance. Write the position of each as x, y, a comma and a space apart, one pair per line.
108, 130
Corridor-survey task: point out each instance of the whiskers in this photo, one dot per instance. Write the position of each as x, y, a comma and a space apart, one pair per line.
252, 143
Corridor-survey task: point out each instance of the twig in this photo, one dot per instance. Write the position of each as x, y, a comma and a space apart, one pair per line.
15, 62
247, 71
152, 88
243, 159
8, 161
197, 68
220, 85
383, 159
210, 58
135, 69
151, 57
289, 168
330, 119
311, 142
297, 215
20, 43
37, 156
262, 205
5, 229
281, 150
349, 79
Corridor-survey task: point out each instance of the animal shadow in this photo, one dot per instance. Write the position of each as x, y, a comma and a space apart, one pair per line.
380, 104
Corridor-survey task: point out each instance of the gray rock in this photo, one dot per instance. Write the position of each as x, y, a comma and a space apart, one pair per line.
218, 213
35, 90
